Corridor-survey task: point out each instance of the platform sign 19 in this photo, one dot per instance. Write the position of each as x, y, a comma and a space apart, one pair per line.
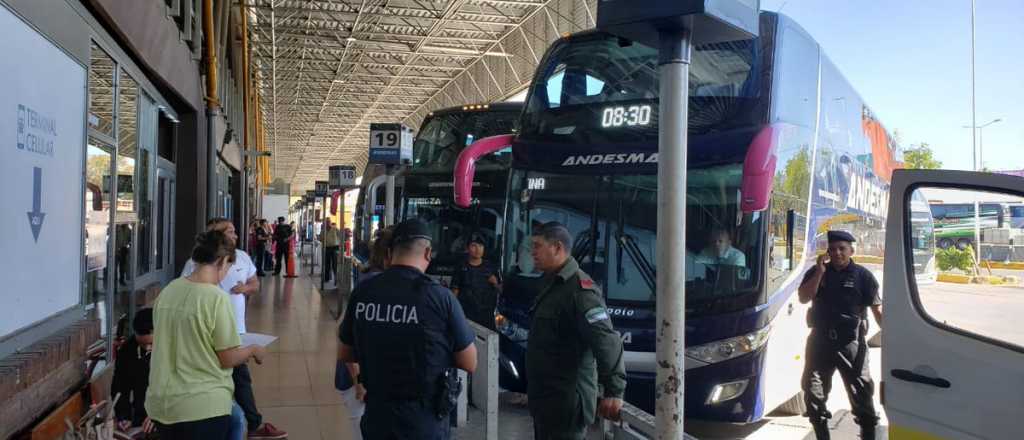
390, 144
342, 176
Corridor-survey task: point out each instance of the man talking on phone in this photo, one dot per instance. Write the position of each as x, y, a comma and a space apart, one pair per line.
840, 292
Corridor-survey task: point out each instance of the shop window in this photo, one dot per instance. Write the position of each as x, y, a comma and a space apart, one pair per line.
101, 92
165, 136
127, 132
99, 156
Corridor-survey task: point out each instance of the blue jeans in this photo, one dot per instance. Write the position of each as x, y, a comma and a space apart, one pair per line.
237, 431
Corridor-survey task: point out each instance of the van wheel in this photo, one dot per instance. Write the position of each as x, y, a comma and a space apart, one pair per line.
945, 243
963, 243
795, 406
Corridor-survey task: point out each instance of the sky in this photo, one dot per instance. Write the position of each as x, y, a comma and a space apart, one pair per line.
910, 60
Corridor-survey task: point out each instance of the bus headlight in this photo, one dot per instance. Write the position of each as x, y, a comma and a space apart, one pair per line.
718, 351
726, 391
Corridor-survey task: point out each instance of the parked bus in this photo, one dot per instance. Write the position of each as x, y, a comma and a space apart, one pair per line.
781, 150
954, 222
443, 136
1017, 216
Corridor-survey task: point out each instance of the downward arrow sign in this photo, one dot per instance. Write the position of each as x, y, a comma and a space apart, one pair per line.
35, 217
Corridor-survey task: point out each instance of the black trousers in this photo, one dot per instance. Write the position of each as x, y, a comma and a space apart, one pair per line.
405, 420
824, 357
260, 254
280, 255
544, 431
245, 398
330, 262
216, 428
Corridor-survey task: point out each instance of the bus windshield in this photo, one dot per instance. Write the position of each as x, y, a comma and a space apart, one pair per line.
445, 135
600, 89
451, 227
612, 219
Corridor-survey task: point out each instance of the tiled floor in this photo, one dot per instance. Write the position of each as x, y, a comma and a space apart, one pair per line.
295, 385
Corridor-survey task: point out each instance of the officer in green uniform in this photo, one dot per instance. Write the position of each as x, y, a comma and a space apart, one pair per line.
572, 346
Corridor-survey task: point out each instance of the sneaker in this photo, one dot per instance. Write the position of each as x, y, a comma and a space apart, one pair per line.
267, 431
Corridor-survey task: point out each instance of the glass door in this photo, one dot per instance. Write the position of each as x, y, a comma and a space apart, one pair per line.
164, 220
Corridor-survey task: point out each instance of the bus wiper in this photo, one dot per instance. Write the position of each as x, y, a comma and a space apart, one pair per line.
583, 244
647, 270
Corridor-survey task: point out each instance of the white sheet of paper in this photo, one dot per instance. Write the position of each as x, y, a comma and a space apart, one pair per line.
257, 339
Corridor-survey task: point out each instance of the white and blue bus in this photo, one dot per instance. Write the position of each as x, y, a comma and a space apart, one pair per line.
781, 150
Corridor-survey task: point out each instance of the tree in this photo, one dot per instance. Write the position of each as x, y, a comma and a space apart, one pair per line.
921, 158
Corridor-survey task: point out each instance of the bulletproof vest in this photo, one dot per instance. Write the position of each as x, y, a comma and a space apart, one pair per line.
837, 307
391, 341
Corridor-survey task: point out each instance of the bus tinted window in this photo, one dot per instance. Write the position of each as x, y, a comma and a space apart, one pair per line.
445, 135
603, 89
614, 232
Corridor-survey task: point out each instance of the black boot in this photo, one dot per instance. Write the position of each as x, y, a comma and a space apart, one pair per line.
867, 432
821, 430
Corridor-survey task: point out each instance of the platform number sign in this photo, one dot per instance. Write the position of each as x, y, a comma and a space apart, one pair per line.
390, 144
342, 176
320, 188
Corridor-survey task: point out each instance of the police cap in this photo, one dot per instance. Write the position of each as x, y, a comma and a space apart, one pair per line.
410, 230
478, 239
840, 236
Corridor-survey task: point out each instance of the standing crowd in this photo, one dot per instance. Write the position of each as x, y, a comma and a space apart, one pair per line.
185, 373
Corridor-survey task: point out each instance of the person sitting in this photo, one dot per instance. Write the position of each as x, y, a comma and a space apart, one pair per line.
720, 251
131, 376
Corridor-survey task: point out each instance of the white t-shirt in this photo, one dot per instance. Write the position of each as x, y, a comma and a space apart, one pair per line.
240, 272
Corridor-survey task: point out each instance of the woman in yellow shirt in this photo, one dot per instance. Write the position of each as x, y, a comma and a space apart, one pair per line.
195, 347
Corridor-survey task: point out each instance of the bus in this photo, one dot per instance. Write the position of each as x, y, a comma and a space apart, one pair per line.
425, 189
781, 150
954, 222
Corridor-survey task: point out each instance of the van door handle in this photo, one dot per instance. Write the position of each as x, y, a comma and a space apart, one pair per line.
790, 311
911, 376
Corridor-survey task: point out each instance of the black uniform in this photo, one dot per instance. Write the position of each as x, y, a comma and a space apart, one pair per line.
838, 321
477, 296
404, 328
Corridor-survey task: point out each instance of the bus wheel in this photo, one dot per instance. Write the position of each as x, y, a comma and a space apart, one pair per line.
945, 243
963, 243
795, 406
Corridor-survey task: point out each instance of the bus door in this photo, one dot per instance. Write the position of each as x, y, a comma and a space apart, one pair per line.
952, 350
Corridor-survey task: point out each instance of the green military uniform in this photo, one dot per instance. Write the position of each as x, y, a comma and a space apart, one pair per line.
572, 348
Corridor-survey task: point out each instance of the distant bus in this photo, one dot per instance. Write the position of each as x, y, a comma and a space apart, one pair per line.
781, 150
954, 222
1017, 216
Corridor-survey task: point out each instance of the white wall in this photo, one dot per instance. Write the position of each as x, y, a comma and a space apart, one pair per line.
274, 206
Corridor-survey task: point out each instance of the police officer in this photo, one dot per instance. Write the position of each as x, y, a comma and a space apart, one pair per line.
407, 333
572, 346
840, 292
476, 283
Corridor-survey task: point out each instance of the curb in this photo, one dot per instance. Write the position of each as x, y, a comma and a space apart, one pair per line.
1001, 265
968, 279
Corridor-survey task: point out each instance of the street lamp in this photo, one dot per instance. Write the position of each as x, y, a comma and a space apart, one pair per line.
981, 142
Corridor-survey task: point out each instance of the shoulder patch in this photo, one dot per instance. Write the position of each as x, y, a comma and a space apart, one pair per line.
596, 314
586, 283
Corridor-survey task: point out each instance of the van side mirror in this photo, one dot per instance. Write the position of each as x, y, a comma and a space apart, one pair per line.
790, 224
465, 165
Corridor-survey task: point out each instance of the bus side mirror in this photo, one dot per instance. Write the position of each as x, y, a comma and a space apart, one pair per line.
759, 169
465, 165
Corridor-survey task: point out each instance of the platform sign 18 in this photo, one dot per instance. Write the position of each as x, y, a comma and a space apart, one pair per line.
342, 176
390, 144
